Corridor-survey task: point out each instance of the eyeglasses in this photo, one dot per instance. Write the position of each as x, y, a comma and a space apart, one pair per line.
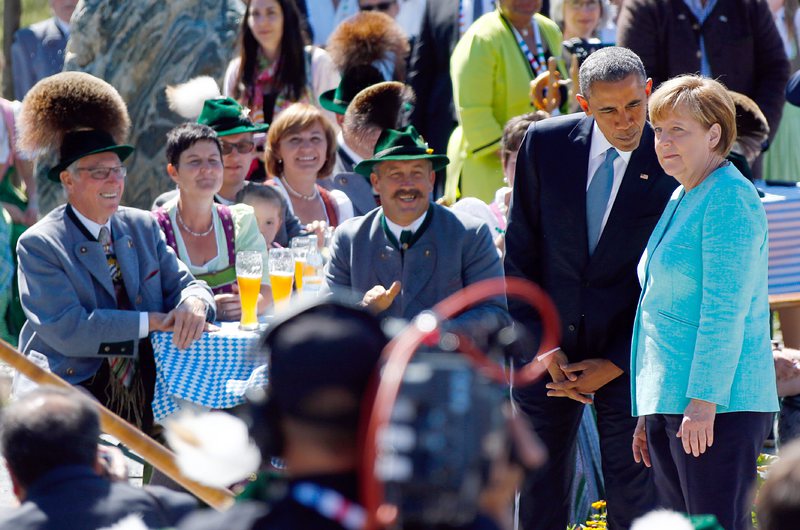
380, 6
242, 147
102, 173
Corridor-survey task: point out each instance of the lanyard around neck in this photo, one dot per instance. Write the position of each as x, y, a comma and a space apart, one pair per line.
537, 62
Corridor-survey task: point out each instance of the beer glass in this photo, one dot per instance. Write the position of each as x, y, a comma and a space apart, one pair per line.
249, 271
300, 246
281, 272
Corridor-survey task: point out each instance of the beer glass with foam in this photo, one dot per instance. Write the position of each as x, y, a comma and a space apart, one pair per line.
281, 274
249, 271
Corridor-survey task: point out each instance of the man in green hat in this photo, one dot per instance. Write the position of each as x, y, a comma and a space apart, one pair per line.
95, 277
411, 253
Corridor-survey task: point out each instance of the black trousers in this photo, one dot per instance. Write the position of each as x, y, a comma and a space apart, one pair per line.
544, 499
718, 482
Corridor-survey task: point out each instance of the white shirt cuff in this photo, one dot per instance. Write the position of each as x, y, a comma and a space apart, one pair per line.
144, 325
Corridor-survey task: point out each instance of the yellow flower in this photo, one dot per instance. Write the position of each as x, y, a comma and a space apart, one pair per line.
598, 505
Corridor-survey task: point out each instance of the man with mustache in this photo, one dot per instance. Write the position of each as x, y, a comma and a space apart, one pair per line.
588, 192
410, 253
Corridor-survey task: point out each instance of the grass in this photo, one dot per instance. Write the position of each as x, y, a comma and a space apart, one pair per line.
32, 11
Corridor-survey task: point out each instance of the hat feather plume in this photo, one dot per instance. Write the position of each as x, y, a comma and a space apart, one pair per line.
69, 101
187, 99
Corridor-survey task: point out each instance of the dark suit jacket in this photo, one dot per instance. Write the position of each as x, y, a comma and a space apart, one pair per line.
429, 75
547, 242
75, 498
744, 49
37, 52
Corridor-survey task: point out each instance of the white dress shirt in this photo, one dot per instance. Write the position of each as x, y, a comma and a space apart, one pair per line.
94, 229
396, 229
597, 153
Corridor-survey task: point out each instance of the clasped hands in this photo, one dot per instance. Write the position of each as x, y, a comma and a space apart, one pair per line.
578, 380
187, 322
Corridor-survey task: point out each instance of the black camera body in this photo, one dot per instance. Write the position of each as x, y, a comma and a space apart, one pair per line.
446, 429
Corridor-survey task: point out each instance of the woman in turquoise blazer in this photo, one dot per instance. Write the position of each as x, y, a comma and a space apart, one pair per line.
702, 375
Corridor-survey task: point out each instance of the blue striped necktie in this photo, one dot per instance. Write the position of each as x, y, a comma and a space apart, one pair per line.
597, 198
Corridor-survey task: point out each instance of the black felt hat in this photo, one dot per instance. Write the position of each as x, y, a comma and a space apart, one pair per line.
78, 144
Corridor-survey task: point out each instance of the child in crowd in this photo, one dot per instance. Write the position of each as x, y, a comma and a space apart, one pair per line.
513, 133
269, 209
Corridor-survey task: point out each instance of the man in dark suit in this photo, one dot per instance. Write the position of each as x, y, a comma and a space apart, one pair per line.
588, 192
429, 74
49, 441
38, 51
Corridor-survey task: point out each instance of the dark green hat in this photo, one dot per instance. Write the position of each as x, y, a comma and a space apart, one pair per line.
406, 144
78, 144
353, 81
227, 117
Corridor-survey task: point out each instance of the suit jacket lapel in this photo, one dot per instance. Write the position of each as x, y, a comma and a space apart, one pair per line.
575, 168
385, 259
91, 255
127, 259
661, 227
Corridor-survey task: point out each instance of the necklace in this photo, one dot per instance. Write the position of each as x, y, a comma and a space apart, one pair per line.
195, 234
297, 194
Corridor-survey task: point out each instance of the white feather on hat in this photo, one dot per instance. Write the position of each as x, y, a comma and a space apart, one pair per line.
186, 99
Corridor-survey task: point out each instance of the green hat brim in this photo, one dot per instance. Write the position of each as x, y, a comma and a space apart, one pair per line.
243, 129
328, 101
122, 151
365, 166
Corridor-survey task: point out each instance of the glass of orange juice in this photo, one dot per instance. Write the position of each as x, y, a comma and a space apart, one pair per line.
281, 273
300, 246
249, 271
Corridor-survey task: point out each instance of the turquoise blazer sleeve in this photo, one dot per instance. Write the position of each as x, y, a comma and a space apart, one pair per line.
702, 324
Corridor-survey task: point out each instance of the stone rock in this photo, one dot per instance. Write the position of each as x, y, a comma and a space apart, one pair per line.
140, 47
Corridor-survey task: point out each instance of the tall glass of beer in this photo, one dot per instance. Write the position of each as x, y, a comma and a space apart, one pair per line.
281, 273
249, 271
300, 247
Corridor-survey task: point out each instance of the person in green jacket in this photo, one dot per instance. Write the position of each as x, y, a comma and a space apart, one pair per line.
491, 68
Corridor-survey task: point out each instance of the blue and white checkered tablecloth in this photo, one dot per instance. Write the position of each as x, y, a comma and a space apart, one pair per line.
213, 372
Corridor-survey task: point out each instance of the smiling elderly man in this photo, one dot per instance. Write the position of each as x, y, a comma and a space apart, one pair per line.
410, 253
96, 278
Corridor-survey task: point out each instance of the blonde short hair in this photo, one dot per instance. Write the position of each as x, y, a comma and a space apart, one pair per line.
296, 118
706, 100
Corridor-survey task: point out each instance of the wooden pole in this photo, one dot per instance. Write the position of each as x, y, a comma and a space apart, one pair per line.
11, 16
153, 452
